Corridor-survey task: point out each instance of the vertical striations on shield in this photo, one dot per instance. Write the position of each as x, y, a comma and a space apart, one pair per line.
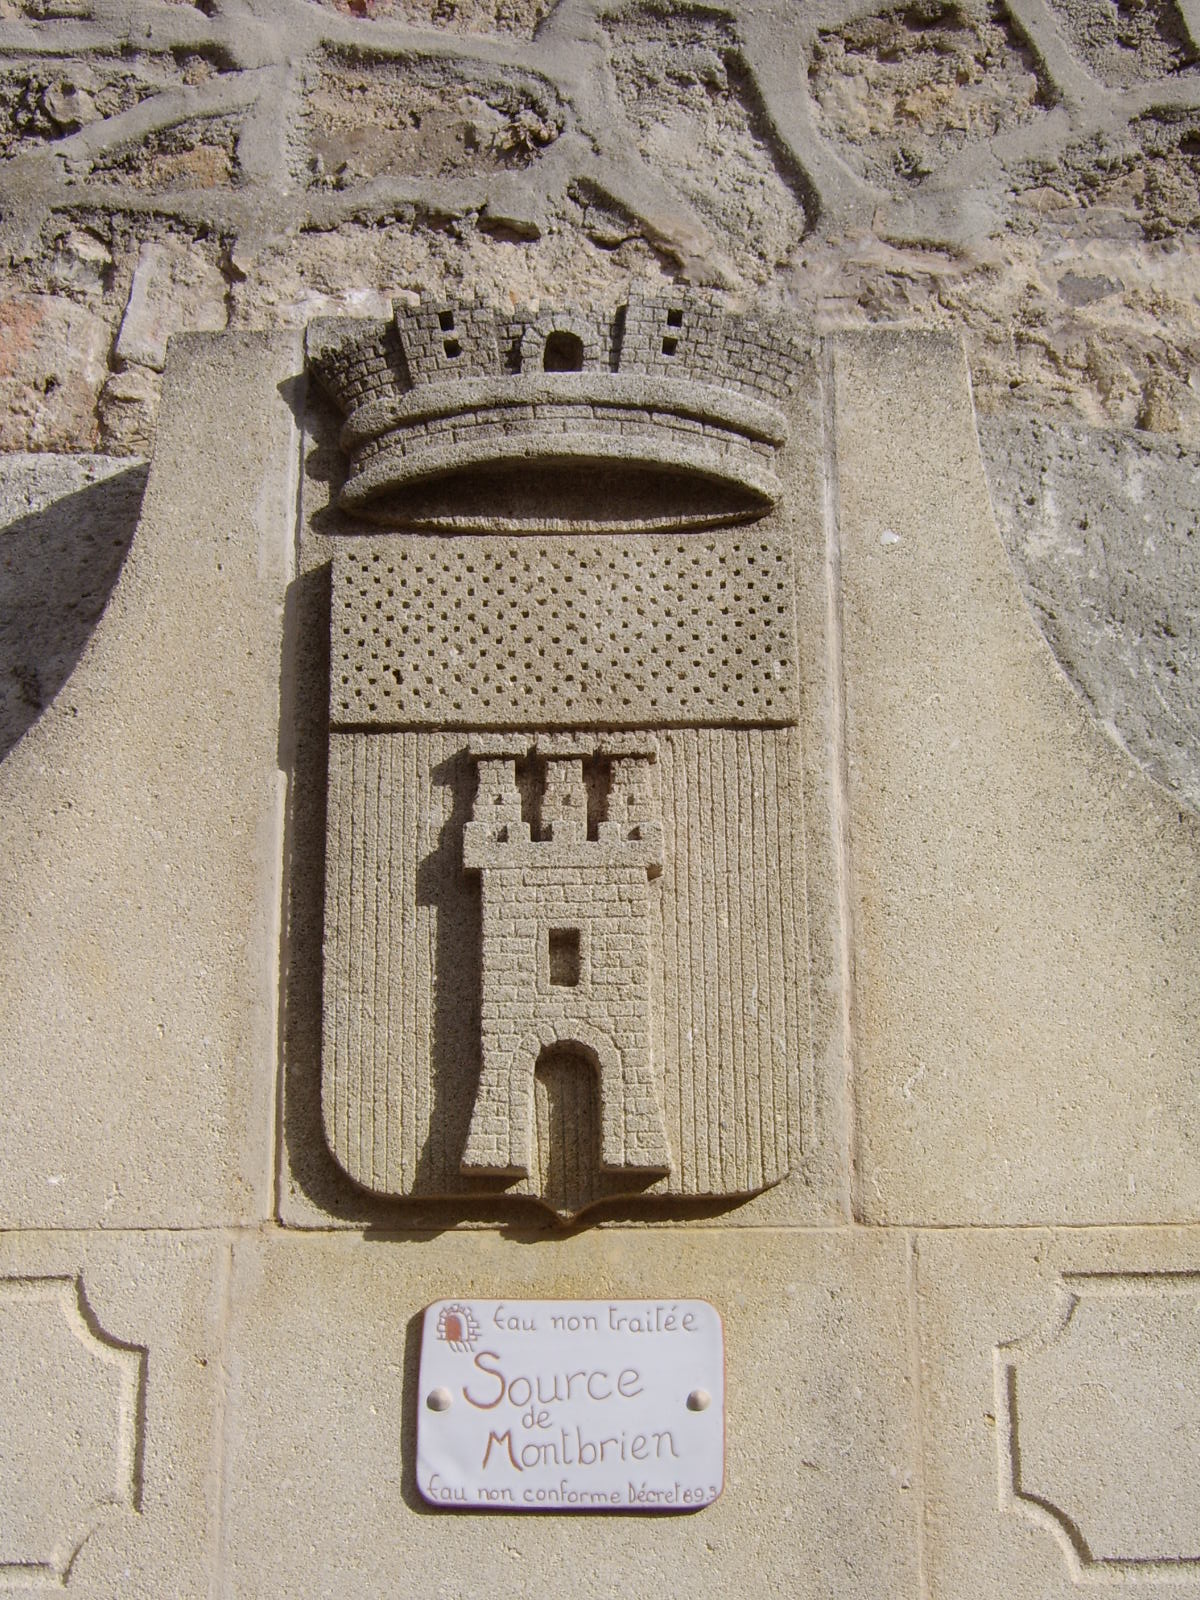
564, 916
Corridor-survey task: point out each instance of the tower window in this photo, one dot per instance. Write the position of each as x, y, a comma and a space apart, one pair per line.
564, 957
563, 353
675, 318
450, 345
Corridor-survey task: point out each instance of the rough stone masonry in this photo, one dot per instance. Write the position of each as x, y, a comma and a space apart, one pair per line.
1026, 174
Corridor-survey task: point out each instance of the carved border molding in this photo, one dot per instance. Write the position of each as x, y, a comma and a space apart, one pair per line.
1118, 1316
102, 1484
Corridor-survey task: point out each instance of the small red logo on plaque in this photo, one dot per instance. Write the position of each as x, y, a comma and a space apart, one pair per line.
458, 1327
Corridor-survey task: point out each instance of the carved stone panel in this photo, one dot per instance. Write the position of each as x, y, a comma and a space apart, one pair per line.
564, 874
1089, 1410
70, 1440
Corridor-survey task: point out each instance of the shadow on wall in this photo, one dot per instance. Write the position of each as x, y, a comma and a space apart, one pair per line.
65, 527
1102, 530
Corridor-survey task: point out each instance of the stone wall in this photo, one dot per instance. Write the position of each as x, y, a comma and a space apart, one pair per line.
1028, 173
960, 1333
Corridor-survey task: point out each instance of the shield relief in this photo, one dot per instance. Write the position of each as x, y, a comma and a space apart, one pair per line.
564, 944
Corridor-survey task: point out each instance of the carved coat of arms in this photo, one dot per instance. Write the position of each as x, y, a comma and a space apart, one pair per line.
564, 914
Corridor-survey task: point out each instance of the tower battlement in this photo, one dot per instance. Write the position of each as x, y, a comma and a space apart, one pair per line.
630, 835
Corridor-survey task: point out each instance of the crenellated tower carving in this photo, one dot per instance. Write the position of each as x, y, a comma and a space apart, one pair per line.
566, 940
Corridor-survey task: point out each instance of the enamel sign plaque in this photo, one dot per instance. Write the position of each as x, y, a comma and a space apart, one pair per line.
572, 1405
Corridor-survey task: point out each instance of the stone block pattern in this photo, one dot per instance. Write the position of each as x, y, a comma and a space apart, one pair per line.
594, 429
679, 333
375, 367
836, 164
686, 332
565, 946
485, 632
606, 1014
727, 967
441, 340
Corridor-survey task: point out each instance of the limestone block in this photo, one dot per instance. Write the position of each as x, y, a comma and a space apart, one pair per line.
1023, 902
128, 408
109, 1369
1100, 525
820, 1494
1061, 1366
52, 364
174, 290
140, 842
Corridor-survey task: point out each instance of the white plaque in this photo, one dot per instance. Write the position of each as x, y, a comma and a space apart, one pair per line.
572, 1405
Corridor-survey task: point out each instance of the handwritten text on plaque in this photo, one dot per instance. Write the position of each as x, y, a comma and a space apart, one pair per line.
572, 1405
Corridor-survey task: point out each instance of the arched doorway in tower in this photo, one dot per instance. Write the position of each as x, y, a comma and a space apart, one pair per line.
566, 1126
